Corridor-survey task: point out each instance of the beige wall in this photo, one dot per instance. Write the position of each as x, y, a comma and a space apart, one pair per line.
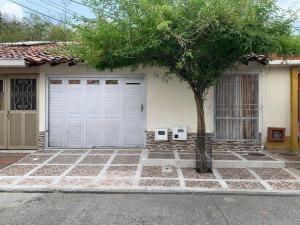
277, 98
19, 70
170, 103
42, 101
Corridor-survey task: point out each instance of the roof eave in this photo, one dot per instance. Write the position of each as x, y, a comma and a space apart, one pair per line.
12, 63
292, 62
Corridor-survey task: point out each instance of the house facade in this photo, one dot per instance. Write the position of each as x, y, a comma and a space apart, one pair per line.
49, 101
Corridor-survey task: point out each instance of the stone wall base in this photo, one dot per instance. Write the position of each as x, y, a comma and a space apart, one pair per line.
41, 144
188, 145
211, 144
236, 145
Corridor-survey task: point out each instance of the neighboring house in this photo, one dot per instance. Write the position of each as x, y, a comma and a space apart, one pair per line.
49, 101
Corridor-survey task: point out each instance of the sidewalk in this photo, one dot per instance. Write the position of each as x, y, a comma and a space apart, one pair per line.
124, 171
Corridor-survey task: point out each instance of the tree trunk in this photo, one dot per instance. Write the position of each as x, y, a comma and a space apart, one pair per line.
203, 155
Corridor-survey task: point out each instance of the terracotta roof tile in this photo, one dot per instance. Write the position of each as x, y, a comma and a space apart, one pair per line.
34, 53
37, 53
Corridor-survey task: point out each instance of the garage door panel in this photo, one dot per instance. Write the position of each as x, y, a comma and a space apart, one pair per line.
93, 105
93, 131
133, 100
56, 132
134, 133
112, 113
132, 109
112, 102
96, 112
56, 113
74, 102
93, 101
56, 102
111, 131
73, 135
133, 106
92, 113
73, 113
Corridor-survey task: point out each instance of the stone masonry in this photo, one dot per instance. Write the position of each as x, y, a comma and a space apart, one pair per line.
212, 144
188, 145
236, 145
41, 140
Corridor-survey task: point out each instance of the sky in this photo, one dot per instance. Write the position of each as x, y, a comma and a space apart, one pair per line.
54, 10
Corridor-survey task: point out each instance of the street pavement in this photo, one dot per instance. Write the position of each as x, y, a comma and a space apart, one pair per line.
144, 209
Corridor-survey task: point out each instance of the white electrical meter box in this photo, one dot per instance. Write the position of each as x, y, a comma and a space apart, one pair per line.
179, 133
161, 134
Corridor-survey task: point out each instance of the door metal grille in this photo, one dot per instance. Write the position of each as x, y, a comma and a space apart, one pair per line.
237, 107
23, 94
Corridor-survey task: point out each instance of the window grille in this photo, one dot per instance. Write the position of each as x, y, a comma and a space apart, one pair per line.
237, 107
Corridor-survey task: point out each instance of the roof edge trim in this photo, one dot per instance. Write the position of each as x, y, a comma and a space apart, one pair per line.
12, 63
284, 62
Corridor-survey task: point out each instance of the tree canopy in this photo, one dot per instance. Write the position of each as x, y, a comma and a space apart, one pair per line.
213, 33
33, 28
197, 40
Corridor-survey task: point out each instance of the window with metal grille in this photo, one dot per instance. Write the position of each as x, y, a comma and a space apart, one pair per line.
237, 107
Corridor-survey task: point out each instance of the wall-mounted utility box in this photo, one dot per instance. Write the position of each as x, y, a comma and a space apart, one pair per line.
179, 133
161, 134
276, 134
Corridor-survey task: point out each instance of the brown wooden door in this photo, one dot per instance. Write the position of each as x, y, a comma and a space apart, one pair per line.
22, 113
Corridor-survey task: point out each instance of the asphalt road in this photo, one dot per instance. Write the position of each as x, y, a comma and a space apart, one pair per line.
138, 209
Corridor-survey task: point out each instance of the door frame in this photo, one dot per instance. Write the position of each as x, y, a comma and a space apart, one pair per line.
7, 78
94, 76
5, 134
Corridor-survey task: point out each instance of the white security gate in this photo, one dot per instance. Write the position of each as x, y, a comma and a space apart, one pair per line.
96, 112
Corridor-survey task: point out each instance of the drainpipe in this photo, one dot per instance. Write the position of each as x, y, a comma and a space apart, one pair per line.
294, 71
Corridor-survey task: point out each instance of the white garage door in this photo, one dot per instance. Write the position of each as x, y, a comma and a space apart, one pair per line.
92, 112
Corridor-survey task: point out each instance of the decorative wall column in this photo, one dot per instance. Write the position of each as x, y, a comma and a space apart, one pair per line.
294, 70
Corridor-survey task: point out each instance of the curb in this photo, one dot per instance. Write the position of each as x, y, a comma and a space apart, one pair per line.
150, 191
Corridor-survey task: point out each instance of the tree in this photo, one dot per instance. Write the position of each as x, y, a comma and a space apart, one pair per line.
196, 40
33, 28
10, 29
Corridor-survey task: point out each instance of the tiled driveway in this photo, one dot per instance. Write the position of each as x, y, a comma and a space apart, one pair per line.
9, 158
123, 170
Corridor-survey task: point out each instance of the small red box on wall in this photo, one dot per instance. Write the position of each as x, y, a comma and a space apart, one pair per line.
276, 134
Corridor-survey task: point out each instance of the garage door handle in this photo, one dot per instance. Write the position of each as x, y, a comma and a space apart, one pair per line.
142, 107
